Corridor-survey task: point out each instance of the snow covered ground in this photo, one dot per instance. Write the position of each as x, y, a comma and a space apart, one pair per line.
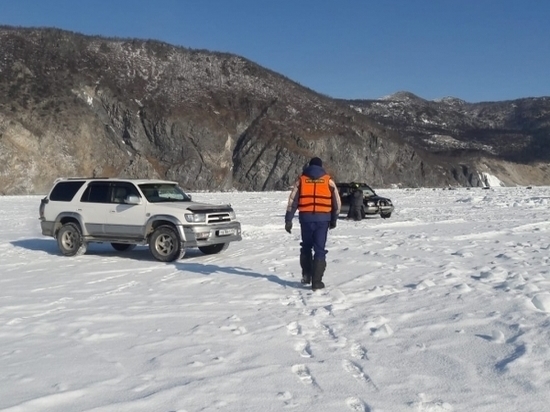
443, 307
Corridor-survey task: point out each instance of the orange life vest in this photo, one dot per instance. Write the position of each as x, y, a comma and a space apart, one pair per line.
315, 195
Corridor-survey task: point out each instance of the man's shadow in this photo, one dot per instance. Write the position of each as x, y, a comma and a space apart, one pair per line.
209, 269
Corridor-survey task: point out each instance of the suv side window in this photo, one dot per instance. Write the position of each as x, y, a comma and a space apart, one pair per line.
344, 191
65, 191
96, 192
121, 190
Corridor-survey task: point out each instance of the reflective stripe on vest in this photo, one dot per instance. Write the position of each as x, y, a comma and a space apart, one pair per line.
315, 195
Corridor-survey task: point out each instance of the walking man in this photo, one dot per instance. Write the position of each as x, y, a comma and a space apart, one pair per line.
316, 197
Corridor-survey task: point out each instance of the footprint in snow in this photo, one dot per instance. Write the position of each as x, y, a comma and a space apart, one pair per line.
237, 330
303, 373
356, 405
294, 328
357, 372
303, 348
326, 330
432, 405
287, 399
358, 352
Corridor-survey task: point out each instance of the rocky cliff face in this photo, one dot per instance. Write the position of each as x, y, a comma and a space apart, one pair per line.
509, 139
74, 105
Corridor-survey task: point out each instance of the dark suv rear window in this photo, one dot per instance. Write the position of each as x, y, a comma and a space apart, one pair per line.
65, 191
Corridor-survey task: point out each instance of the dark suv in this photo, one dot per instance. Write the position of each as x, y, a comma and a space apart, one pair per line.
372, 203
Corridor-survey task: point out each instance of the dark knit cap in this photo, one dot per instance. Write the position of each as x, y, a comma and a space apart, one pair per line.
316, 162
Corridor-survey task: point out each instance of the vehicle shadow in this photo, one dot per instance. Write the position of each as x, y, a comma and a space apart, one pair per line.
50, 247
42, 245
188, 263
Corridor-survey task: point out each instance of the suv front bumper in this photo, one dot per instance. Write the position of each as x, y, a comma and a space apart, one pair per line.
195, 236
378, 209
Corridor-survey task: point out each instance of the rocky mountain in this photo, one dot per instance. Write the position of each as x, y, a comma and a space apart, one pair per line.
510, 138
75, 105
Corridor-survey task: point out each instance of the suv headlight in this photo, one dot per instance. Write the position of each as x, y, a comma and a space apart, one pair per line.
232, 215
196, 218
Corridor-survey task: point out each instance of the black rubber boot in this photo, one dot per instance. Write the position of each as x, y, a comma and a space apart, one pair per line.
319, 267
306, 262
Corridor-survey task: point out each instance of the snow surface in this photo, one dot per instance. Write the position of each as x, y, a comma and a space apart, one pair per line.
443, 307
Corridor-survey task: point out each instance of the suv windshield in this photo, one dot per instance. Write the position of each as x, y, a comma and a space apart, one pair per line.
164, 192
346, 189
367, 191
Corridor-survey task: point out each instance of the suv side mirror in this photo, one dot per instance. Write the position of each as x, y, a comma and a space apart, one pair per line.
133, 200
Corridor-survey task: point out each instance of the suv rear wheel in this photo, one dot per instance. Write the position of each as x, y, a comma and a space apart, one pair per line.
165, 244
70, 241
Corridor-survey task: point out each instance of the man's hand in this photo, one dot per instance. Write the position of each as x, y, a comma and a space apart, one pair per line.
332, 224
288, 227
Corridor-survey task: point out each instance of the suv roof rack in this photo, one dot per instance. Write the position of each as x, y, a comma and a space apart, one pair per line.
87, 178
59, 179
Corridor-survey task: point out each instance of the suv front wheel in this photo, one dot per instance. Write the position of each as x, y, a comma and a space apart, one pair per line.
165, 244
70, 241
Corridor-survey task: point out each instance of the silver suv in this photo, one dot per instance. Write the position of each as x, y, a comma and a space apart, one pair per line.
130, 212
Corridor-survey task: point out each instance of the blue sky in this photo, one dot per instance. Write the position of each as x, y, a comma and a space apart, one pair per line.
476, 50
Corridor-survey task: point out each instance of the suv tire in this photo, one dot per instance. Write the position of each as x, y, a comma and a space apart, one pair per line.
213, 249
165, 244
70, 241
